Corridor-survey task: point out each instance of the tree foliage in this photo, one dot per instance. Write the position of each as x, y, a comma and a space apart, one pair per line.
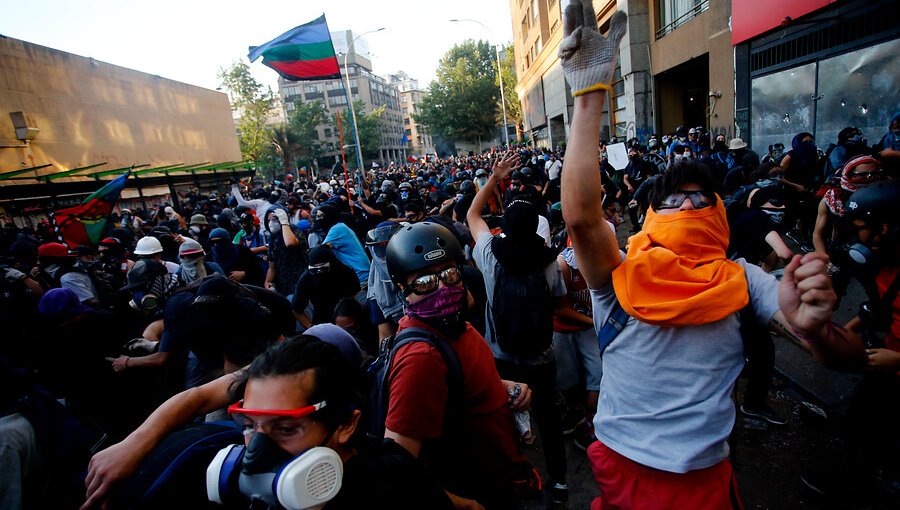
254, 103
462, 103
297, 139
370, 124
513, 106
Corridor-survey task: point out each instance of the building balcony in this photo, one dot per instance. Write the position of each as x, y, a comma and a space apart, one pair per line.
675, 13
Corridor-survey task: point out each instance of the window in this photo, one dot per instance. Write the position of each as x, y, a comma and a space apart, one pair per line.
674, 13
327, 132
534, 8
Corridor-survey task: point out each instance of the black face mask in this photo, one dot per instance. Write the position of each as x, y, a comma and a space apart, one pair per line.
451, 325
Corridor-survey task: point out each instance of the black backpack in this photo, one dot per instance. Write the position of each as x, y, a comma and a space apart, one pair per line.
522, 311
379, 371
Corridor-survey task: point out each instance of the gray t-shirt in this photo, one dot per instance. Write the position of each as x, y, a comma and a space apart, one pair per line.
488, 263
80, 284
665, 396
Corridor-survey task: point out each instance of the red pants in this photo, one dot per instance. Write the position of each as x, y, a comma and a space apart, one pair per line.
627, 485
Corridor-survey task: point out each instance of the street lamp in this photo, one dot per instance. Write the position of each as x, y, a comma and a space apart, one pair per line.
499, 74
359, 159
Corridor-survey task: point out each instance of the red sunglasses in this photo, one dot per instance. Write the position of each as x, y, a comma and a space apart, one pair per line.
300, 412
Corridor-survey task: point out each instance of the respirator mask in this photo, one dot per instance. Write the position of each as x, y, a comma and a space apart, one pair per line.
270, 477
144, 301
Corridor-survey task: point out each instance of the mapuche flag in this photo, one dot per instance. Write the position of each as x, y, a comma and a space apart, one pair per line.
302, 53
84, 224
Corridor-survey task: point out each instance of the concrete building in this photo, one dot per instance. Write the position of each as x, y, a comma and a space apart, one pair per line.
545, 96
374, 91
816, 66
418, 141
674, 53
67, 122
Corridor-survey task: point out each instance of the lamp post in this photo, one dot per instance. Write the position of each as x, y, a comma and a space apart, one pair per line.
499, 75
359, 159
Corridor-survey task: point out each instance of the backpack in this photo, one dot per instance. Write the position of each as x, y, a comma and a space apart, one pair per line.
522, 311
379, 372
173, 475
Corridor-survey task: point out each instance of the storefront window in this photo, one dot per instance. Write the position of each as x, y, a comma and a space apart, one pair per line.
860, 89
782, 106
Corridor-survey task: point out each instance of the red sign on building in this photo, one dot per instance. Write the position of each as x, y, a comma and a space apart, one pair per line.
752, 18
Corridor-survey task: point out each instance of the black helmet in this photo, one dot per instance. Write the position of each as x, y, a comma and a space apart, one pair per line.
681, 131
876, 203
467, 188
418, 246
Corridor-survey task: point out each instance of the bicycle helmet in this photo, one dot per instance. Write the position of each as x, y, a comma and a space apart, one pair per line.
420, 245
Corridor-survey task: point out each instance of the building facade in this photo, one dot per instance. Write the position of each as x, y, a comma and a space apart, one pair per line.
374, 91
545, 96
815, 66
675, 68
419, 142
69, 123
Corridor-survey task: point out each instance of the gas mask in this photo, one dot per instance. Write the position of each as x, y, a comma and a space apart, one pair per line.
404, 195
859, 253
144, 302
264, 473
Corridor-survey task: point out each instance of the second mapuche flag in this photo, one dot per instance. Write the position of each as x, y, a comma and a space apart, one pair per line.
302, 53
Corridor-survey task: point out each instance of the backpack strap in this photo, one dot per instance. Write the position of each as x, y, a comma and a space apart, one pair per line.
387, 351
614, 325
454, 368
886, 302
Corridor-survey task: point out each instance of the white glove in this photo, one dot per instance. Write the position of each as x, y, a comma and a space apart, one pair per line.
282, 216
588, 58
140, 345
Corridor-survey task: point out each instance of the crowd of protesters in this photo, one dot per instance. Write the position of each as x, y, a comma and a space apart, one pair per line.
270, 301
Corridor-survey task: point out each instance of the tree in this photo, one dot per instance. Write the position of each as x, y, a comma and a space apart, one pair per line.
369, 129
462, 103
298, 139
254, 103
513, 106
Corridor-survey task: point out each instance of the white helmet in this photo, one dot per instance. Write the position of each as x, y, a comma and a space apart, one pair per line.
148, 245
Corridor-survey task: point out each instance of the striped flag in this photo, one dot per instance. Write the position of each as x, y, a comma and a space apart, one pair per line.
301, 54
84, 224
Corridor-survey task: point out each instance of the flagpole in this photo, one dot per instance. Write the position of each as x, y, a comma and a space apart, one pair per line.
359, 158
344, 161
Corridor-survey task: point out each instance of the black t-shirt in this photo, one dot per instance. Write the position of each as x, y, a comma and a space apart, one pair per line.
324, 291
748, 235
237, 327
388, 477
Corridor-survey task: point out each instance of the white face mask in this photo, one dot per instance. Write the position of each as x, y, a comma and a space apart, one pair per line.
195, 230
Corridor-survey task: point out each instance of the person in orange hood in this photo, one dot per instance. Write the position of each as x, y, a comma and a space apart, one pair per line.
669, 309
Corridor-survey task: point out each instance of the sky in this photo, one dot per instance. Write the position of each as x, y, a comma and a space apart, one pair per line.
190, 40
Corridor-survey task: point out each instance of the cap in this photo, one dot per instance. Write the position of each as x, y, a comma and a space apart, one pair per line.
219, 233
338, 337
53, 250
199, 219
189, 247
143, 272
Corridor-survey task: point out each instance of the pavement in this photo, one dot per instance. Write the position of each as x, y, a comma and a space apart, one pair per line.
768, 460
